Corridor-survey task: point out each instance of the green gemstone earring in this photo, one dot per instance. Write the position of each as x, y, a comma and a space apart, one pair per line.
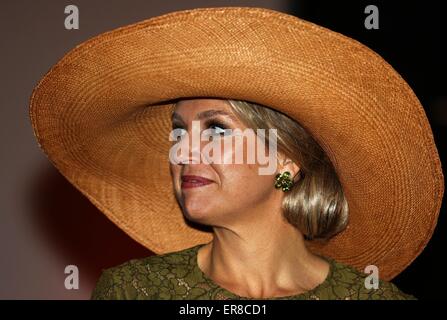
283, 181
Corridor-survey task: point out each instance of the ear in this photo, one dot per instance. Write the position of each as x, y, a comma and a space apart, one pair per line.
287, 164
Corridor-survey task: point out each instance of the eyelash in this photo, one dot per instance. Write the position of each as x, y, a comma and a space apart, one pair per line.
209, 123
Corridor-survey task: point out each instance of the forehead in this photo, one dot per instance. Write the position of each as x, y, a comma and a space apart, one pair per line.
203, 108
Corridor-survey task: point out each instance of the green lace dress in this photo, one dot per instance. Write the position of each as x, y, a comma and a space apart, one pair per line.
176, 275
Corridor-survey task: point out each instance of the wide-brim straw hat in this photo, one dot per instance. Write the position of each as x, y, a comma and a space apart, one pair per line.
102, 117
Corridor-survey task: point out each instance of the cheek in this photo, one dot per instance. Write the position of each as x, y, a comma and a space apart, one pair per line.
237, 177
175, 175
239, 150
244, 181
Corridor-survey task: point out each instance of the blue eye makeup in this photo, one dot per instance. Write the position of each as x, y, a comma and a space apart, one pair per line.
213, 124
221, 129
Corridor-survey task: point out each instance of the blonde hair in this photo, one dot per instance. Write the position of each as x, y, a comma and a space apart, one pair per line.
316, 204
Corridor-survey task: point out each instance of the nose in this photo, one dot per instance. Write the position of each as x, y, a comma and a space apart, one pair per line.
188, 157
187, 149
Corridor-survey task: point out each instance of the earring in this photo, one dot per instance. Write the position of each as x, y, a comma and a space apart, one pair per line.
283, 181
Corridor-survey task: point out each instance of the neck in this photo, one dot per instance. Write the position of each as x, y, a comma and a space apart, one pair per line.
262, 259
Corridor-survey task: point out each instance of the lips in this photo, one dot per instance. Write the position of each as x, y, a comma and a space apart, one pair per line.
190, 181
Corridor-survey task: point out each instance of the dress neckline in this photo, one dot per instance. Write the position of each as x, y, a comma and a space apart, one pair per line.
233, 295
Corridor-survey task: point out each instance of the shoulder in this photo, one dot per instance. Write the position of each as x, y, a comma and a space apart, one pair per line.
348, 283
146, 278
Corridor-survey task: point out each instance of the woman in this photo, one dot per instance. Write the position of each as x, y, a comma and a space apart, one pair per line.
255, 252
258, 247
222, 229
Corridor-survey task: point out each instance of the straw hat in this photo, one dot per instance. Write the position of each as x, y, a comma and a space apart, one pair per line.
102, 117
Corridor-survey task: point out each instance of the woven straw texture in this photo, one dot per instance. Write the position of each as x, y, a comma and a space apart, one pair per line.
102, 118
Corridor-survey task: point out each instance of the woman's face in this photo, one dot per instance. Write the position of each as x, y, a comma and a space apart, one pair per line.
236, 189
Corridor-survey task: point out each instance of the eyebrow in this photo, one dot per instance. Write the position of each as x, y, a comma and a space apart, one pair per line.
208, 114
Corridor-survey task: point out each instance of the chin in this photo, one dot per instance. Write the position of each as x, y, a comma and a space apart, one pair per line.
201, 216
196, 215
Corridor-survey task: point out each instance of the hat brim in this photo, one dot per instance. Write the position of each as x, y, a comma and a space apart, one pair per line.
100, 115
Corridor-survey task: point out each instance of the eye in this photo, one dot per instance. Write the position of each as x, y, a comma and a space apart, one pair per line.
178, 131
220, 128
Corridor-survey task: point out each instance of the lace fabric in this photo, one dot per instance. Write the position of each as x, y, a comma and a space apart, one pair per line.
177, 276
